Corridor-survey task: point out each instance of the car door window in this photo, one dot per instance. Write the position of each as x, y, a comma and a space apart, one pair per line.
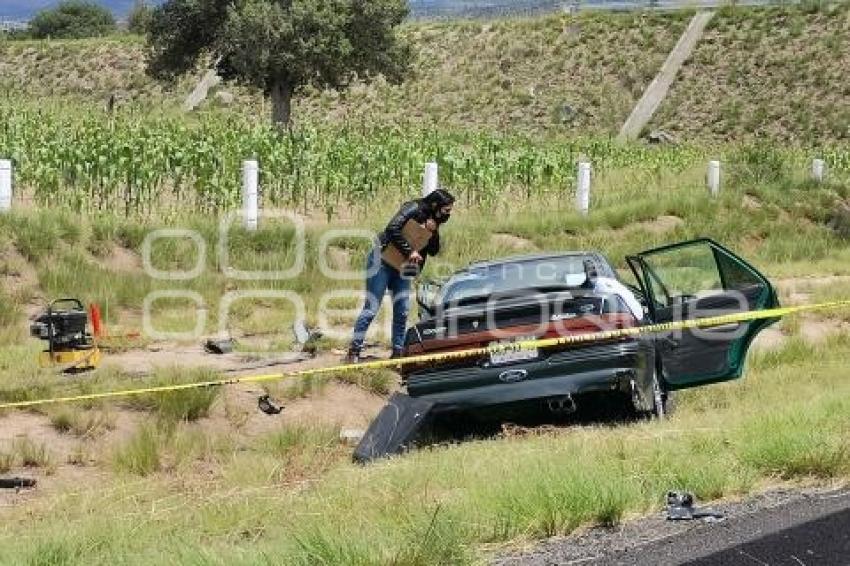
680, 274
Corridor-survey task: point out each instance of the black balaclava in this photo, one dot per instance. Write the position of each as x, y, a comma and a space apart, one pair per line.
436, 200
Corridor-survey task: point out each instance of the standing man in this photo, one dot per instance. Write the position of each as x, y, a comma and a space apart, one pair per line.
429, 212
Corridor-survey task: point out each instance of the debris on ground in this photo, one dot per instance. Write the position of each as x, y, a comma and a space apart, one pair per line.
661, 137
17, 483
351, 436
680, 507
219, 347
269, 407
307, 337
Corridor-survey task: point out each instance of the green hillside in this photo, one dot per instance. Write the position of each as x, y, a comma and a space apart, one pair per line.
758, 71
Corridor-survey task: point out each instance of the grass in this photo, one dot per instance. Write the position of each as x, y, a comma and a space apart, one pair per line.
526, 70
33, 454
142, 454
190, 489
87, 424
727, 89
785, 422
7, 462
182, 405
791, 227
379, 382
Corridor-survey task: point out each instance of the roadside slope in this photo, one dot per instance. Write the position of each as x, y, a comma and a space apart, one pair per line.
773, 73
769, 71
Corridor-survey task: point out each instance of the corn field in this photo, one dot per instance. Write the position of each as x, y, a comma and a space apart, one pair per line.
137, 164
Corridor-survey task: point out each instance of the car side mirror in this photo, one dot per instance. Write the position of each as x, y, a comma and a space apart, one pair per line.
426, 296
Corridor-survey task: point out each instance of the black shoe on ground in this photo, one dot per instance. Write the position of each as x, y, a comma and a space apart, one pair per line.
397, 353
352, 357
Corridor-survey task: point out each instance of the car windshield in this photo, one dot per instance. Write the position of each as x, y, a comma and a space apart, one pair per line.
551, 272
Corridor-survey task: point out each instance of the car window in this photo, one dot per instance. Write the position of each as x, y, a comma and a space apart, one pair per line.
562, 271
681, 273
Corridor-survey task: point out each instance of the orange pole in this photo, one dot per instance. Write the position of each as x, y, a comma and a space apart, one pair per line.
96, 320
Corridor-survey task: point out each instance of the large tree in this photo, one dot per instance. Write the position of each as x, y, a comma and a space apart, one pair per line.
72, 19
280, 46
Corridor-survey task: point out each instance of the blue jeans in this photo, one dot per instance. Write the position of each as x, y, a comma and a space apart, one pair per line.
380, 277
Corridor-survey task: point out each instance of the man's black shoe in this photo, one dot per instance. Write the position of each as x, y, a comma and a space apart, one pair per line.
352, 357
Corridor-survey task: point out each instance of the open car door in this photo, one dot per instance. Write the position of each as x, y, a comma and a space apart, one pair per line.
700, 279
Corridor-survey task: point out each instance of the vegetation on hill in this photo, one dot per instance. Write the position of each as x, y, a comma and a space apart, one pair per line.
551, 75
554, 74
773, 73
139, 18
72, 19
303, 44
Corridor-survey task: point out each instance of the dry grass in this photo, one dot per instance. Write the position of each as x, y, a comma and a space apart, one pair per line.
32, 454
82, 423
729, 88
547, 74
553, 73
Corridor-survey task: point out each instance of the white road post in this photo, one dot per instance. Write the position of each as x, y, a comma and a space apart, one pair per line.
430, 180
818, 170
250, 194
5, 185
583, 188
714, 178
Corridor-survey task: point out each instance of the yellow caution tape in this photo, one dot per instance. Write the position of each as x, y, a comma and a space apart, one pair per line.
707, 322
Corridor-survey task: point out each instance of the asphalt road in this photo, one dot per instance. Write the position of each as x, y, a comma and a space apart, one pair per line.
810, 528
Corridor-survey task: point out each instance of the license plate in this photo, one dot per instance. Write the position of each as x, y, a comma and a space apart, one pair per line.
512, 356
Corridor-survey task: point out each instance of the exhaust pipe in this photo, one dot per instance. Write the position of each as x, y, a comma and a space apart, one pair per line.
562, 405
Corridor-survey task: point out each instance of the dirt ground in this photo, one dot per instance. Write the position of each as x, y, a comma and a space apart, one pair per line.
78, 462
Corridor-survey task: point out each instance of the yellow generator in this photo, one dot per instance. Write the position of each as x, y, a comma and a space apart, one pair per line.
64, 326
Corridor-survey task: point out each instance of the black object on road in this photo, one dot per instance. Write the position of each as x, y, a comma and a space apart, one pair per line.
16, 483
219, 347
268, 407
680, 507
394, 429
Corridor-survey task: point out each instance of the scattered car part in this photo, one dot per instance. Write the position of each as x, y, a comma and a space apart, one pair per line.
351, 436
306, 337
17, 483
680, 507
219, 347
69, 344
267, 406
394, 429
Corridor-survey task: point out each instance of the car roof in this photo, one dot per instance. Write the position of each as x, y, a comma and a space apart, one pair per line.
528, 257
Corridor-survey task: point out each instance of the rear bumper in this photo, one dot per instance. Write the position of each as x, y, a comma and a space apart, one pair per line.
600, 368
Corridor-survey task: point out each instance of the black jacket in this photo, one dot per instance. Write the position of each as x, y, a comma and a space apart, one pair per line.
419, 212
